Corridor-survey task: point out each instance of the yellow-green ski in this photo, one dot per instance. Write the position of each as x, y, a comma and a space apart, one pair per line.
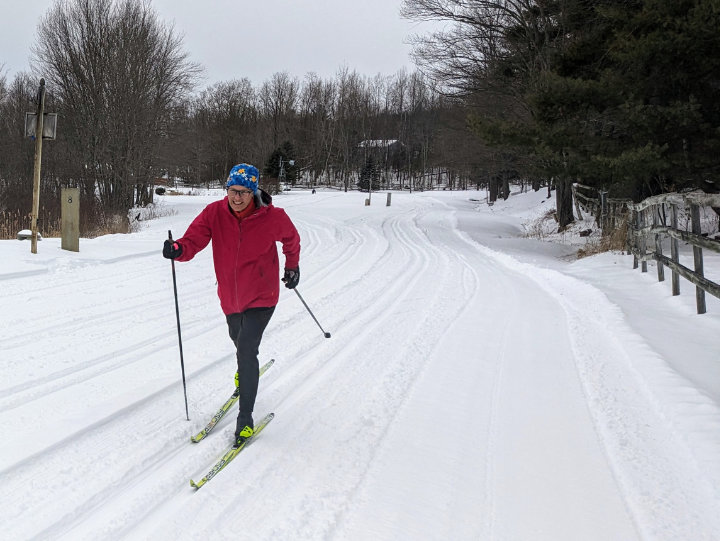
225, 408
232, 453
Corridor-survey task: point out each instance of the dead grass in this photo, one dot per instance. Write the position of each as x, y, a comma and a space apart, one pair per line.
616, 240
543, 227
12, 222
94, 224
590, 242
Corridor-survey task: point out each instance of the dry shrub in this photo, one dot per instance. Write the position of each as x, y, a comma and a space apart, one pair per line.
94, 221
615, 240
543, 227
12, 222
109, 224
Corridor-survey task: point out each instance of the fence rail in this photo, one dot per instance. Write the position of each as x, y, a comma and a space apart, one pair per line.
648, 227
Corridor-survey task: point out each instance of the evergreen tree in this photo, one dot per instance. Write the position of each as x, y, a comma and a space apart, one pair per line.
369, 174
566, 96
666, 57
278, 164
628, 102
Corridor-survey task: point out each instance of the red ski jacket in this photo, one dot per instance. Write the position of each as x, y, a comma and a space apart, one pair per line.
244, 252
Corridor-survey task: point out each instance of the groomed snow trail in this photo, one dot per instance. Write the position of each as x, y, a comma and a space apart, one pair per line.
456, 399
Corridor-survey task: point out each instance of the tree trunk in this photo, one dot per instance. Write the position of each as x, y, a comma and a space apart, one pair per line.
505, 185
493, 188
563, 201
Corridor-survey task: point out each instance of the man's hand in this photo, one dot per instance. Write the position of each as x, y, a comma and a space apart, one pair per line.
291, 278
171, 250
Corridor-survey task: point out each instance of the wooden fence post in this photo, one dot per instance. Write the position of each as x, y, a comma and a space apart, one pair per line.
658, 242
577, 203
698, 257
643, 240
635, 228
603, 211
674, 251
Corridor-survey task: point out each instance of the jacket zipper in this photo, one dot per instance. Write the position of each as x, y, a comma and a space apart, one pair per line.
235, 266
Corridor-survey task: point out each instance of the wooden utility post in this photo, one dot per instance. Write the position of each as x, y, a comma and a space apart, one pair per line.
38, 161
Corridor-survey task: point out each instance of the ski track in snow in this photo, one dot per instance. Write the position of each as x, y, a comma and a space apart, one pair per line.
669, 473
459, 390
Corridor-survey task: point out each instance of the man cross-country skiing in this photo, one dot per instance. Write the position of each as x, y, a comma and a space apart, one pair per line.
244, 228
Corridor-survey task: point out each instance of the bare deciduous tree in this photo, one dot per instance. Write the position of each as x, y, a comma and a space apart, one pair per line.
317, 125
230, 109
117, 71
493, 53
17, 153
278, 100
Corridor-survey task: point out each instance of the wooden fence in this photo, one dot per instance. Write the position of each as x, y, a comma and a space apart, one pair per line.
608, 212
649, 226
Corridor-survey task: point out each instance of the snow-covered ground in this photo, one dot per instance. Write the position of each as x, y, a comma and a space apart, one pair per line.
478, 385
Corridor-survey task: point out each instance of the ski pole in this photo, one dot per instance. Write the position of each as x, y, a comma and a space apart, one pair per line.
177, 316
327, 334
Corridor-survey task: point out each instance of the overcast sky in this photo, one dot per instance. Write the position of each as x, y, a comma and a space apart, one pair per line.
237, 38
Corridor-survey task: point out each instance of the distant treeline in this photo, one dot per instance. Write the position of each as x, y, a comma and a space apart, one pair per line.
617, 95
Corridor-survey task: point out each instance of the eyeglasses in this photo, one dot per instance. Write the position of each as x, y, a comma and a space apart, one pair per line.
242, 193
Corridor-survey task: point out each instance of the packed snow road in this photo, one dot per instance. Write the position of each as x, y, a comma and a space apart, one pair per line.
463, 395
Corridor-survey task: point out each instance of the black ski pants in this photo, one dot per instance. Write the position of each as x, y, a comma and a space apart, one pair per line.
246, 330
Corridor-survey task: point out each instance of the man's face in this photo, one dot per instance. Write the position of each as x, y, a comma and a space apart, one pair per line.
239, 197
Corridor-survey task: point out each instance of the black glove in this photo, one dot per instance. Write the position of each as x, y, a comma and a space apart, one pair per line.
171, 250
291, 278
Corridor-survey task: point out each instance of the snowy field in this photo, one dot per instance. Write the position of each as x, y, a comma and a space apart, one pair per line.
478, 385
